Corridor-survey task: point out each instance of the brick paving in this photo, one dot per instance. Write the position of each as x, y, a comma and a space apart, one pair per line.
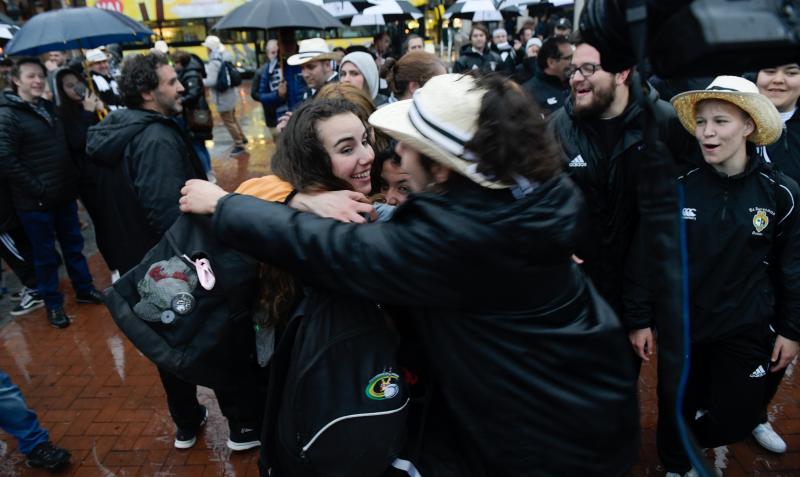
102, 400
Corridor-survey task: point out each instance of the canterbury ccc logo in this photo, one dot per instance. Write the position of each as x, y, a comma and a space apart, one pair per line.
383, 386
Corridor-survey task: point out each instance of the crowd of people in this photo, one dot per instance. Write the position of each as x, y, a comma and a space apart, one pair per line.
487, 219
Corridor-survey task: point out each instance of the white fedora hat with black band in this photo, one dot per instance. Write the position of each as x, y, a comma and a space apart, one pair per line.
440, 119
313, 49
740, 92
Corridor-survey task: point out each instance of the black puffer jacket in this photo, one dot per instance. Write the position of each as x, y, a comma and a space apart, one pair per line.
469, 60
194, 94
34, 156
143, 158
610, 186
509, 322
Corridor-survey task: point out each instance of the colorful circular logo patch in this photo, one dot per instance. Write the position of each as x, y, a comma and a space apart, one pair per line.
383, 386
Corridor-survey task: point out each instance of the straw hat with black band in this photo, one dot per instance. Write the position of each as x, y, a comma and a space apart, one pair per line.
437, 122
313, 49
740, 92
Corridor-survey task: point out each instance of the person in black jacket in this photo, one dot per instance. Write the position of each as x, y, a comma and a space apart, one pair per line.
525, 70
506, 51
191, 72
463, 262
78, 107
43, 178
600, 129
477, 55
742, 226
143, 158
781, 84
549, 87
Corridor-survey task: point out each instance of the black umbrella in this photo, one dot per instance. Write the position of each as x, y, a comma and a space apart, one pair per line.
72, 28
270, 14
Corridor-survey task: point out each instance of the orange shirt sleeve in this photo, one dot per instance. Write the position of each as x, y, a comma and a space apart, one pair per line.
270, 188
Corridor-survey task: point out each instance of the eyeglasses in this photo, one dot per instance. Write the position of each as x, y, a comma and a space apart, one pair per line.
586, 69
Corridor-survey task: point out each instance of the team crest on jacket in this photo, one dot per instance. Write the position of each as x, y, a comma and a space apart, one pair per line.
760, 221
383, 386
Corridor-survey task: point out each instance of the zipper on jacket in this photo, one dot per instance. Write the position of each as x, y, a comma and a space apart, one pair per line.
724, 203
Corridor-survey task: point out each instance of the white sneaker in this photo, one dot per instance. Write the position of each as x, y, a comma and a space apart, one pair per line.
769, 439
691, 473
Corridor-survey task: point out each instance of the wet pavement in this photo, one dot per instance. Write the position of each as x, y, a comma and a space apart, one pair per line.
101, 399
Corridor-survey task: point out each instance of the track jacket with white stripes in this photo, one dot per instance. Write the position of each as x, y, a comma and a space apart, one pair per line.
743, 238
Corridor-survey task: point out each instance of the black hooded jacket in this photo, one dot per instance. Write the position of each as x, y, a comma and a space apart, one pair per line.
469, 60
523, 351
34, 156
608, 181
743, 240
143, 158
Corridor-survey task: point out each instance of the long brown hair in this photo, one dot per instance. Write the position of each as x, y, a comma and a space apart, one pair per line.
416, 66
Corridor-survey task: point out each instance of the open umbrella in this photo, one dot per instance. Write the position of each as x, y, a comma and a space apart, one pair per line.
339, 8
386, 11
270, 14
467, 9
7, 31
72, 28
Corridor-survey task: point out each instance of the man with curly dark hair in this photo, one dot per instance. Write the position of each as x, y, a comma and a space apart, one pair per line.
143, 159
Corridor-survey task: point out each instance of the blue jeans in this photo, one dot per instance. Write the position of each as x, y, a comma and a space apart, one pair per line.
17, 419
42, 227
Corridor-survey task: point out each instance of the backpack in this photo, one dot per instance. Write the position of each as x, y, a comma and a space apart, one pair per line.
227, 77
193, 326
338, 402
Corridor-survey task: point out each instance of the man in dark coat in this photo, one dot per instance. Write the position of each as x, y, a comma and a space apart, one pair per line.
600, 131
549, 87
43, 179
144, 158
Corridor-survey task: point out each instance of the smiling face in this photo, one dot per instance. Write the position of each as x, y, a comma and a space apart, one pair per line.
31, 82
781, 85
345, 139
722, 129
348, 73
593, 94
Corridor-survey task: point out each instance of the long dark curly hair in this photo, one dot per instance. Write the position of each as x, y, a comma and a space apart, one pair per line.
513, 138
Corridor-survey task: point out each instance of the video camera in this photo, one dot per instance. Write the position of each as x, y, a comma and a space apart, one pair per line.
683, 38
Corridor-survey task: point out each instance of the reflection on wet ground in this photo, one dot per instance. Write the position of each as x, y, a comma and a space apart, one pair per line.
101, 399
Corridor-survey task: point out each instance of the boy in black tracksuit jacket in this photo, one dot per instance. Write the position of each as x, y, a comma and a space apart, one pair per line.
743, 240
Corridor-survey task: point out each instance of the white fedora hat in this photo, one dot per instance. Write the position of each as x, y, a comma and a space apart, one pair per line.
313, 49
95, 56
740, 92
440, 119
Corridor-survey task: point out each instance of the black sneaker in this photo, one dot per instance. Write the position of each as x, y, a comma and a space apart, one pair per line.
245, 140
243, 438
57, 318
29, 301
47, 456
92, 297
185, 438
238, 151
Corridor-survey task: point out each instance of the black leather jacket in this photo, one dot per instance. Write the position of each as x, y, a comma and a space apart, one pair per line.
524, 352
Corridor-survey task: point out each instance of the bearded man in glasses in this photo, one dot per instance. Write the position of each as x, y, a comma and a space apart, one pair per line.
600, 131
